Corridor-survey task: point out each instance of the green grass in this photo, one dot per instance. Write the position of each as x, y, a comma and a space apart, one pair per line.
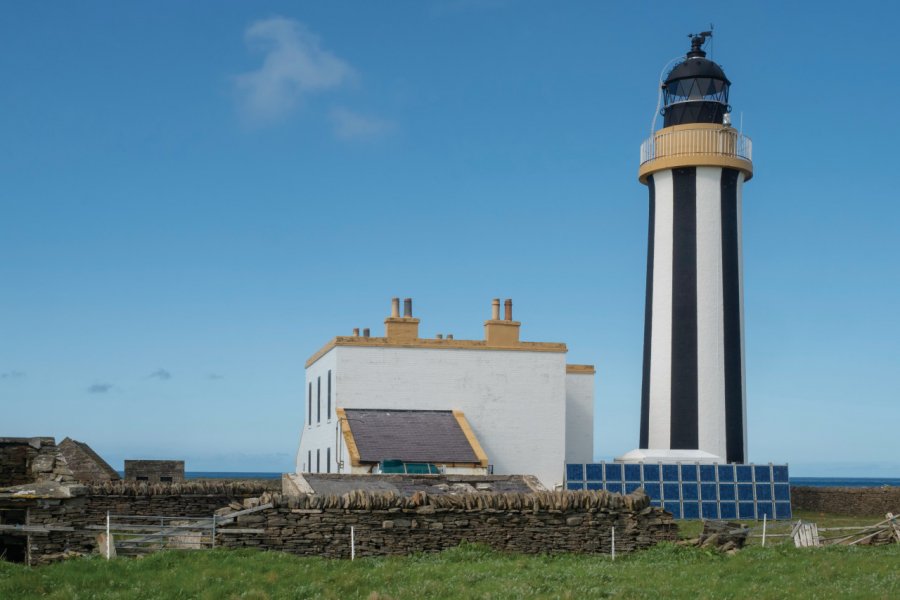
667, 571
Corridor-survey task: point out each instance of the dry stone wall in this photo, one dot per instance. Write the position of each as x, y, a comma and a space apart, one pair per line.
121, 498
383, 523
847, 501
26, 460
386, 524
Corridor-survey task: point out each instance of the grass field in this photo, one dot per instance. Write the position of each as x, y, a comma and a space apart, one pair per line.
668, 571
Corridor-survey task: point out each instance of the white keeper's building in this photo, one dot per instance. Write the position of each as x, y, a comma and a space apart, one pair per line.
463, 406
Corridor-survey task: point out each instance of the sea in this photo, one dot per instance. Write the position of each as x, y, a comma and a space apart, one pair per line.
806, 481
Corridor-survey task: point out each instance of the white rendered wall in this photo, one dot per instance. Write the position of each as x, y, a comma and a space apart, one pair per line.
579, 417
320, 435
514, 401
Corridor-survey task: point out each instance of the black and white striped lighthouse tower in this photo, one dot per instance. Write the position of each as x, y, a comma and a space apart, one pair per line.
693, 400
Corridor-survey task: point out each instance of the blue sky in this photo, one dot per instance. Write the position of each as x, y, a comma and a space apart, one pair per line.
194, 197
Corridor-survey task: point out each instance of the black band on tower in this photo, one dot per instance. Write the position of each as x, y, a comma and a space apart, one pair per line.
648, 322
734, 394
684, 418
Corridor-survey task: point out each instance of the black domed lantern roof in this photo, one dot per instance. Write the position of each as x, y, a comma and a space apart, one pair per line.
696, 90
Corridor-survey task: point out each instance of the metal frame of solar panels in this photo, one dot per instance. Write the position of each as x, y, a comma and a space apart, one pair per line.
694, 491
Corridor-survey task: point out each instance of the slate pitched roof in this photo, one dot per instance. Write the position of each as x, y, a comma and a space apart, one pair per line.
429, 436
85, 463
407, 485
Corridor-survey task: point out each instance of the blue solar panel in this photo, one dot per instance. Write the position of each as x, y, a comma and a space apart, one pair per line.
670, 472
782, 510
651, 472
632, 472
575, 472
726, 472
728, 510
614, 487
782, 491
780, 473
630, 486
707, 472
726, 491
689, 491
691, 510
674, 508
613, 472
689, 472
765, 509
709, 510
671, 491
708, 491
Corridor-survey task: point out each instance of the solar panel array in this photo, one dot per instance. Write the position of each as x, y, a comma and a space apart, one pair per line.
694, 491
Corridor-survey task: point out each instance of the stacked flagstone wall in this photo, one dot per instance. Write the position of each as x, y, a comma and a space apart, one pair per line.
386, 524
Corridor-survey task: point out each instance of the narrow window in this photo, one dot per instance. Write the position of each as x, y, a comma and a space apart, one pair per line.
309, 461
319, 399
165, 479
142, 478
318, 461
329, 394
309, 398
328, 460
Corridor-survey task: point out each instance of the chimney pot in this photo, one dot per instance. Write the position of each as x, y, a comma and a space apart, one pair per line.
395, 307
407, 307
440, 336
507, 310
495, 309
449, 336
366, 332
356, 332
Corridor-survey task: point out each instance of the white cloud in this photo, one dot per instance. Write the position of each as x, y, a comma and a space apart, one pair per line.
295, 65
352, 125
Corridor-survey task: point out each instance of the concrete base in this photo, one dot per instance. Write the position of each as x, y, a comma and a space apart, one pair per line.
651, 455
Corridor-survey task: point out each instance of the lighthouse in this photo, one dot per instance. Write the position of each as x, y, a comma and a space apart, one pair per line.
693, 396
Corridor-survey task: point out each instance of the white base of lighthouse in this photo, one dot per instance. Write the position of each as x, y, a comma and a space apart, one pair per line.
655, 455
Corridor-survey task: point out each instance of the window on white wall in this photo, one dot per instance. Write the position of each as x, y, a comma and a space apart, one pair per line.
329, 394
319, 399
309, 403
309, 461
328, 460
318, 462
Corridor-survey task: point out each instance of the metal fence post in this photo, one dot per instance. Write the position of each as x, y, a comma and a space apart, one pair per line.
352, 543
107, 536
614, 543
214, 531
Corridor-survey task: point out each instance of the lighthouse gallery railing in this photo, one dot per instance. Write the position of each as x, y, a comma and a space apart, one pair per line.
722, 141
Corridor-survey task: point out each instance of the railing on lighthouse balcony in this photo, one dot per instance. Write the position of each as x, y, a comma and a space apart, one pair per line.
696, 144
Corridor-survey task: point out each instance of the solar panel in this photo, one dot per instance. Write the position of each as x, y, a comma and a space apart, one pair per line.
693, 491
